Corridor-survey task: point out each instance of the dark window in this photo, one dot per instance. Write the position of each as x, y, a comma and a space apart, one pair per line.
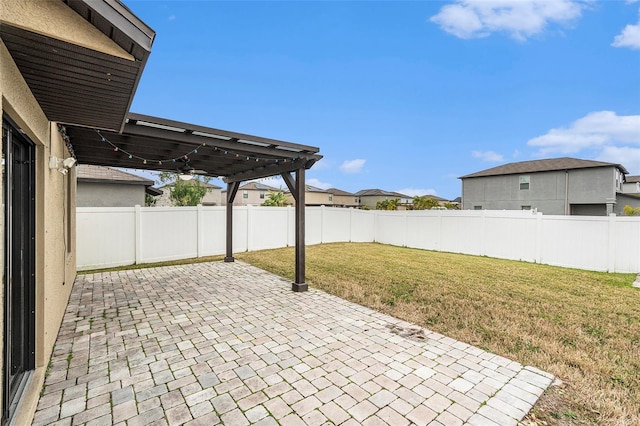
524, 182
245, 194
477, 207
261, 195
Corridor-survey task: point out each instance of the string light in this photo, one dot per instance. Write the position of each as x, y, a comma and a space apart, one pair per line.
67, 141
183, 157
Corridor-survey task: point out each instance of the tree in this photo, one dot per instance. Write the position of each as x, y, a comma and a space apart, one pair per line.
388, 204
423, 203
451, 206
631, 211
275, 199
149, 200
185, 192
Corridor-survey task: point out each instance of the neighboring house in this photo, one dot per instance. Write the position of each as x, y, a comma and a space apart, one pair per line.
631, 185
213, 197
100, 186
250, 194
332, 197
370, 197
340, 198
55, 61
552, 186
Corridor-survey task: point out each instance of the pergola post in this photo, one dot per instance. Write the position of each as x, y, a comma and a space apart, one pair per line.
232, 189
297, 188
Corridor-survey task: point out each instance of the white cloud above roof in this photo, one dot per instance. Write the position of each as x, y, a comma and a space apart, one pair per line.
488, 156
318, 183
417, 192
613, 138
352, 166
522, 19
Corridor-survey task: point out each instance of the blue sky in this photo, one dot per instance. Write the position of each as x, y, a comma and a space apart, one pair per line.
404, 96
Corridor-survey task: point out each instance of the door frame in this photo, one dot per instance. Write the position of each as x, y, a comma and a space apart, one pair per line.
13, 386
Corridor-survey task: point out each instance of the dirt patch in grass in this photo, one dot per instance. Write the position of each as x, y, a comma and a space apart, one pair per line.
583, 327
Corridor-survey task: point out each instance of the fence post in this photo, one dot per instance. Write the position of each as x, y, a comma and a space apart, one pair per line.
350, 225
249, 227
406, 228
483, 226
538, 241
199, 230
611, 261
138, 233
322, 207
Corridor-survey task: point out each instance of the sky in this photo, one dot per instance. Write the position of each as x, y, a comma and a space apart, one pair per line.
403, 96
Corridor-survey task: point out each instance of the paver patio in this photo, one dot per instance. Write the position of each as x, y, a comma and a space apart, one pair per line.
228, 343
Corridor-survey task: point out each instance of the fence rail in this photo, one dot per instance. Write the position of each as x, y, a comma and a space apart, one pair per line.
108, 237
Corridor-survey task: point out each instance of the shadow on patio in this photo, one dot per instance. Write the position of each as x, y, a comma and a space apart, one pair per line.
227, 343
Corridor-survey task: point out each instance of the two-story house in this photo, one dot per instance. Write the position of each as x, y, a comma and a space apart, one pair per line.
250, 194
370, 197
332, 197
560, 186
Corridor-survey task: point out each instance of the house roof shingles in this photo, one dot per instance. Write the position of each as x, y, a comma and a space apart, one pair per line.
547, 165
632, 179
379, 193
336, 191
89, 173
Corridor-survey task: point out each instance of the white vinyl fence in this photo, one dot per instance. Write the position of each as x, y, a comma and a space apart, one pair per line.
109, 237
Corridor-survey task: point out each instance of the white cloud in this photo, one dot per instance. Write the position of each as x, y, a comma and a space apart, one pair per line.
606, 135
318, 184
629, 157
488, 156
172, 17
593, 131
413, 192
520, 19
352, 166
629, 37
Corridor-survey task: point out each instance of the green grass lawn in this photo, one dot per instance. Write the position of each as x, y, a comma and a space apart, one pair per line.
583, 327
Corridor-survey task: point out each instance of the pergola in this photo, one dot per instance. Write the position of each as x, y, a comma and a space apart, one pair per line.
89, 89
152, 143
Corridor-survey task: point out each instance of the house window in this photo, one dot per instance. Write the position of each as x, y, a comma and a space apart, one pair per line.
330, 197
477, 207
524, 182
262, 195
245, 194
526, 207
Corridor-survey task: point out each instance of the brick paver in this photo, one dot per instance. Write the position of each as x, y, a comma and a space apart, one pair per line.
227, 343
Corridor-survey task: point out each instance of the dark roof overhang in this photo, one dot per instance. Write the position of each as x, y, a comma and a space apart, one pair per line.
153, 191
77, 85
152, 143
546, 165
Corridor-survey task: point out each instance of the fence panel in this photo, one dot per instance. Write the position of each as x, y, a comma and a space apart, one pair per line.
391, 227
336, 224
510, 236
267, 227
105, 237
627, 244
575, 242
212, 231
363, 224
168, 233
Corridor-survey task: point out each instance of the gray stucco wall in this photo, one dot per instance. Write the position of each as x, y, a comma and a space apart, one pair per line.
546, 191
92, 194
